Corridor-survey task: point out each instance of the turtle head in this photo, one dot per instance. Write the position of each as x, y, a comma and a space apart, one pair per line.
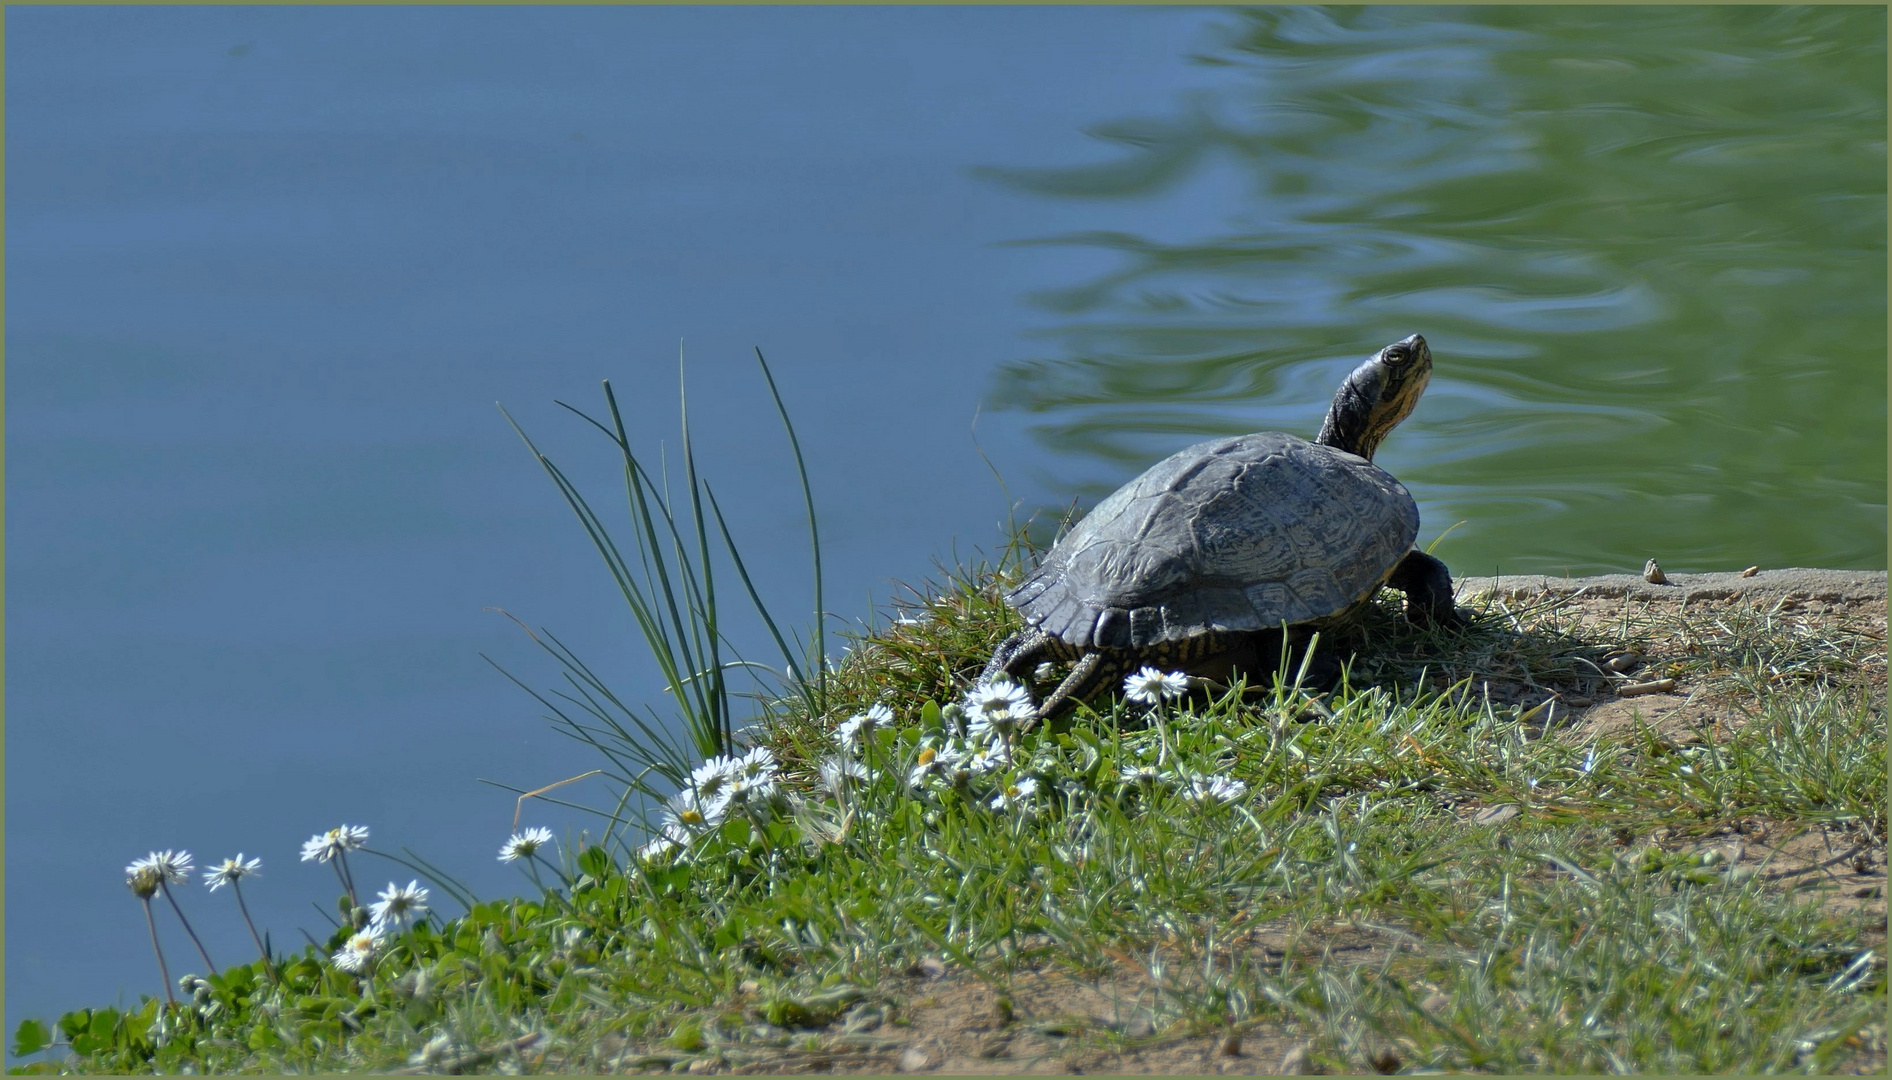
1377, 396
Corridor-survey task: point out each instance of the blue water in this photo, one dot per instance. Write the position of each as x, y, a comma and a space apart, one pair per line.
269, 269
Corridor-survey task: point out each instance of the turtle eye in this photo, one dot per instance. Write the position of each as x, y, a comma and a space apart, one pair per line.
1396, 354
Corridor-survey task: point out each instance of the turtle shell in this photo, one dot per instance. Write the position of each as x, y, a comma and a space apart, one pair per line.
1233, 534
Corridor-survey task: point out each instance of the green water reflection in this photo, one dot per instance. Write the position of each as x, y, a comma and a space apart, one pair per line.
1647, 246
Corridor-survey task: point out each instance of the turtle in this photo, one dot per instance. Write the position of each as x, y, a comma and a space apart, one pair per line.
1235, 547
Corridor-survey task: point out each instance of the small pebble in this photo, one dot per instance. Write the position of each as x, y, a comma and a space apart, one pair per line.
1750, 571
1297, 1063
915, 1060
1495, 815
1652, 573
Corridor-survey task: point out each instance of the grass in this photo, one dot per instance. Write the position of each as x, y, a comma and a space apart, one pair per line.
1566, 940
1337, 895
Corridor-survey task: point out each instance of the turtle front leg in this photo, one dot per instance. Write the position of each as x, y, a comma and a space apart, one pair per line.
1427, 584
1086, 675
1018, 652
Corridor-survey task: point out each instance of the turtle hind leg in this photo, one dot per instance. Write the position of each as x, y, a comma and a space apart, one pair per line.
1268, 658
1314, 665
1428, 588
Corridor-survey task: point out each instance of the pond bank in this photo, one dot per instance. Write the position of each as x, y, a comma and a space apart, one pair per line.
1830, 586
1499, 849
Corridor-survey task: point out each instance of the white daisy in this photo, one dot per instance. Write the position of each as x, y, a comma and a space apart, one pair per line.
325, 846
687, 816
399, 906
758, 764
992, 728
1206, 789
229, 871
838, 773
933, 761
984, 759
996, 708
1014, 794
754, 777
711, 779
171, 866
523, 845
358, 952
1140, 774
854, 730
657, 847
1150, 686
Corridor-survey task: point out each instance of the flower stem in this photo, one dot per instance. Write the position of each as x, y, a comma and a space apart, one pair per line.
1162, 736
268, 965
175, 906
163, 971
532, 864
348, 885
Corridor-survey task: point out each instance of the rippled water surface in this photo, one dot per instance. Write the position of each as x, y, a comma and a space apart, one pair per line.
1647, 246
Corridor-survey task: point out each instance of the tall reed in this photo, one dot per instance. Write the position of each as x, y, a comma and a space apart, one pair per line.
671, 588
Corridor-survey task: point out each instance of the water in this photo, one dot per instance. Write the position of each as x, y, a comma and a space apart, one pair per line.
272, 266
1646, 245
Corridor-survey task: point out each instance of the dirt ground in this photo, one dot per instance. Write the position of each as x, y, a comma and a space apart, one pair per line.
1052, 1022
1060, 1024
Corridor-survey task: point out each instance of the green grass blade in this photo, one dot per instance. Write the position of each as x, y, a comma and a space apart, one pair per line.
729, 542
671, 641
702, 711
663, 650
814, 538
718, 699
